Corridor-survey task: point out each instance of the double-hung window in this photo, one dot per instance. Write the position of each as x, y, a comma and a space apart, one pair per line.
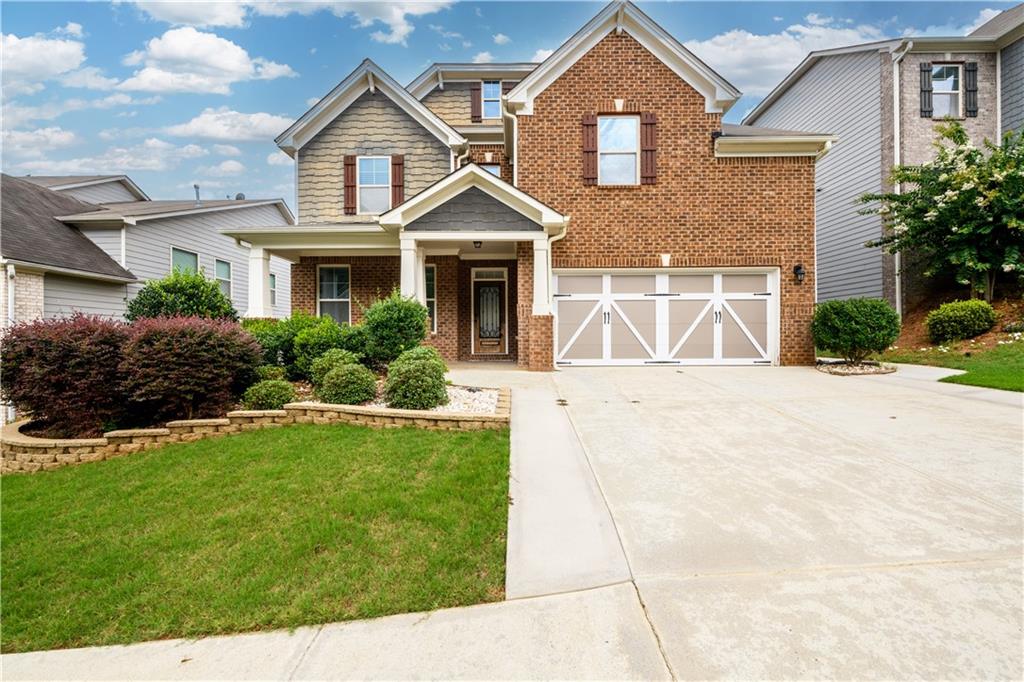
222, 271
273, 289
490, 93
618, 147
431, 279
183, 260
333, 296
946, 90
374, 185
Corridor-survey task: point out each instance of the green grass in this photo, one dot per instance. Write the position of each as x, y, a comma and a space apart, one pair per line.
1001, 366
270, 529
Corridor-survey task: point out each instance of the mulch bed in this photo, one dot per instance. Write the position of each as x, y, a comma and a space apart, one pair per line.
840, 368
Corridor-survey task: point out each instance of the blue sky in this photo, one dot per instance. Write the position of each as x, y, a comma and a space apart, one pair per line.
174, 93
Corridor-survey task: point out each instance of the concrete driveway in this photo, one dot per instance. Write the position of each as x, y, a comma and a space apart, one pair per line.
782, 523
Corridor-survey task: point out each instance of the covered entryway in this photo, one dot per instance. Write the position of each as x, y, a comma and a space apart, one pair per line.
665, 317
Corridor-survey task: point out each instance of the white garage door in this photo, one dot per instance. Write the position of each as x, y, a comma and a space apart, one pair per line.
676, 317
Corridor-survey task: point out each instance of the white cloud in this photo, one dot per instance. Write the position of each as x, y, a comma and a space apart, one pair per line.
224, 169
279, 158
311, 101
227, 150
815, 19
225, 124
70, 29
467, 44
228, 14
541, 54
152, 154
394, 15
187, 60
501, 39
16, 114
35, 143
29, 61
776, 18
443, 32
951, 29
88, 77
483, 58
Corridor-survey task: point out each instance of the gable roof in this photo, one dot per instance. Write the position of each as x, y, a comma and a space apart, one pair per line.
32, 235
367, 76
1000, 24
135, 211
60, 182
618, 16
436, 74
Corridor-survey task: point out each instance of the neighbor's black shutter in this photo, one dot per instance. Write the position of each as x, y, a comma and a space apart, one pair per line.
926, 90
971, 88
476, 113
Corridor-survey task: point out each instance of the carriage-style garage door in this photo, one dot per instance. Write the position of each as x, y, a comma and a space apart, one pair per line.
722, 317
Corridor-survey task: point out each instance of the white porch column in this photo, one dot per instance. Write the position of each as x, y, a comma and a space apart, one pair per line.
541, 278
421, 275
259, 284
409, 261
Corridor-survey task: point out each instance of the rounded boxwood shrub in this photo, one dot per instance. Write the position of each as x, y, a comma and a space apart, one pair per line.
270, 394
393, 325
348, 385
312, 342
335, 357
855, 328
269, 372
277, 338
421, 354
182, 293
415, 385
353, 339
960, 320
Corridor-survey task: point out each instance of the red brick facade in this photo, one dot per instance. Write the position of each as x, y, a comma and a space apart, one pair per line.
478, 154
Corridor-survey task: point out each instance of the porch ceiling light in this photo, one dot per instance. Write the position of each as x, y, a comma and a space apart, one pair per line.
799, 273
477, 245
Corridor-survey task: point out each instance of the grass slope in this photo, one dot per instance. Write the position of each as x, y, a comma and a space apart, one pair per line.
276, 528
1001, 366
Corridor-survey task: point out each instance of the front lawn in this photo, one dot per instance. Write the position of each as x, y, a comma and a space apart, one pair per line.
269, 529
1001, 366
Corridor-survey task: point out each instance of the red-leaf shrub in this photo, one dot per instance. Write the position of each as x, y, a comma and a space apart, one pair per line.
188, 367
66, 372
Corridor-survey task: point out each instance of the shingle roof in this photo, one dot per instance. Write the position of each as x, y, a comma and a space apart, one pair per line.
32, 234
136, 209
1001, 23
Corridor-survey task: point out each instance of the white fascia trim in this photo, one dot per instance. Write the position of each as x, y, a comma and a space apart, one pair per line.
365, 76
123, 179
475, 236
472, 175
26, 266
435, 76
818, 146
719, 94
133, 219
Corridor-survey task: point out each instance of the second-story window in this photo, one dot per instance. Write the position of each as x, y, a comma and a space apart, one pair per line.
374, 184
618, 144
492, 168
491, 95
946, 90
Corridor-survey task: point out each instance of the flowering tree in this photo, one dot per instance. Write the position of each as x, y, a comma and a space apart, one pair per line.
962, 211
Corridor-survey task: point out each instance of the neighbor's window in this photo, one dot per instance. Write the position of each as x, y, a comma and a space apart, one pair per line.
184, 260
431, 277
273, 289
333, 297
946, 90
618, 142
374, 184
491, 94
492, 168
222, 271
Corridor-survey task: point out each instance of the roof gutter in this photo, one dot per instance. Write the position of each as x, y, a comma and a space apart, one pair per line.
57, 270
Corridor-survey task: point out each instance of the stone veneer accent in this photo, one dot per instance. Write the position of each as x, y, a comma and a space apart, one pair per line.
26, 454
28, 295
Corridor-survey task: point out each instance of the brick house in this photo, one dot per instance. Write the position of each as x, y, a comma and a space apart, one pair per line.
591, 209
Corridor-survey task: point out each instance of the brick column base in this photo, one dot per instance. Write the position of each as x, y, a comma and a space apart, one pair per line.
541, 344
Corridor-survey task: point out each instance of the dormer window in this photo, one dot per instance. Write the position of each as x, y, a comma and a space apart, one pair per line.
946, 90
374, 185
618, 146
490, 95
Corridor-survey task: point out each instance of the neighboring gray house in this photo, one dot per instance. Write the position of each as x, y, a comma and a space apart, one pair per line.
93, 189
882, 101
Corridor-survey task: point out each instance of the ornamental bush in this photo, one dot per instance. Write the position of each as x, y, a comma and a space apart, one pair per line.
277, 338
960, 320
855, 328
312, 342
269, 372
187, 367
67, 372
415, 385
348, 385
393, 325
421, 354
264, 331
335, 357
270, 394
182, 293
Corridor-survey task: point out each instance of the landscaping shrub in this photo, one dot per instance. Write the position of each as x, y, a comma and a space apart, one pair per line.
270, 394
67, 372
335, 357
277, 338
960, 320
393, 325
415, 385
264, 331
182, 293
348, 385
421, 354
188, 367
312, 342
855, 328
269, 372
353, 339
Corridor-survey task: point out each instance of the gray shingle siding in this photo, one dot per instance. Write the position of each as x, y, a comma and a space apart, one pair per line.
108, 240
474, 209
840, 95
63, 296
1012, 67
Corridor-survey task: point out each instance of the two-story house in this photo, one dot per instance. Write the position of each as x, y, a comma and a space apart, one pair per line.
591, 209
882, 100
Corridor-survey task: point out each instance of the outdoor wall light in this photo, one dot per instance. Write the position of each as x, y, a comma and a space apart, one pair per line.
799, 273
477, 245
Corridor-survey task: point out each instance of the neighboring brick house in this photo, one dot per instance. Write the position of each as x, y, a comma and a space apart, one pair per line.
882, 100
592, 209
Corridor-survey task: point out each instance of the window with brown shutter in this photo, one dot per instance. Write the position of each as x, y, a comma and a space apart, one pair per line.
476, 114
926, 90
648, 148
971, 89
397, 179
589, 149
350, 184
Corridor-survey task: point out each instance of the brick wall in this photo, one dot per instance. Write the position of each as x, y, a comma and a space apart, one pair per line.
702, 210
478, 154
28, 296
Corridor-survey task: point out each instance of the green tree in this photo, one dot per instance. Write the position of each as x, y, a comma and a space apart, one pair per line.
183, 293
962, 212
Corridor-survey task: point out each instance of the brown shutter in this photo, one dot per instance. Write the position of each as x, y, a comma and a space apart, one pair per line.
476, 108
397, 179
648, 148
506, 87
971, 88
926, 90
589, 149
350, 184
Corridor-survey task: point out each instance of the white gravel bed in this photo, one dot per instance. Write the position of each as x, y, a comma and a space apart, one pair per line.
463, 399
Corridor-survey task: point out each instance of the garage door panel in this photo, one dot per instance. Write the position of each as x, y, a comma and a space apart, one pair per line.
691, 330
580, 284
633, 330
752, 315
736, 344
744, 284
579, 337
633, 284
691, 284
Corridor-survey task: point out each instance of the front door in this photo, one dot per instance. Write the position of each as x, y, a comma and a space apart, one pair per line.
490, 337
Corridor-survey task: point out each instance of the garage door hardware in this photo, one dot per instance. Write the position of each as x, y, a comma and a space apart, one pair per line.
660, 294
561, 402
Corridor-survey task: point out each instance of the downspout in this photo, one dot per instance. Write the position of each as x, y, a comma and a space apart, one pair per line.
897, 57
461, 158
9, 322
507, 115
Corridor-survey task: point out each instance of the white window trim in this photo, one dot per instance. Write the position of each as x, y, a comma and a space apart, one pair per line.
334, 300
170, 253
485, 100
636, 154
230, 278
359, 185
433, 320
273, 288
959, 92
